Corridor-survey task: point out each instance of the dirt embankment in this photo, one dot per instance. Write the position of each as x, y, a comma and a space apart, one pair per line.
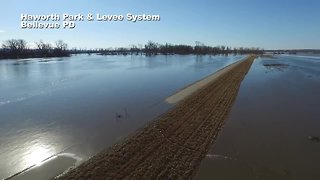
173, 145
187, 91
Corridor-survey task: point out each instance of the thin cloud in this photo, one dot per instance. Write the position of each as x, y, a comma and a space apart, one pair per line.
2, 31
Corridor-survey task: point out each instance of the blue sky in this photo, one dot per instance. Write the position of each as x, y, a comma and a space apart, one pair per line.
272, 24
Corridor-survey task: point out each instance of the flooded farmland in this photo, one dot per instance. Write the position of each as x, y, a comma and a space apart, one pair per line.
74, 107
273, 128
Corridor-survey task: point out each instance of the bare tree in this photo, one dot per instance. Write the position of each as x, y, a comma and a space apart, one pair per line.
134, 49
140, 46
44, 48
61, 48
61, 45
199, 48
198, 43
151, 48
16, 46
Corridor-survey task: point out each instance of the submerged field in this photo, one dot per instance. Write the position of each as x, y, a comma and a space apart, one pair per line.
267, 134
82, 104
172, 146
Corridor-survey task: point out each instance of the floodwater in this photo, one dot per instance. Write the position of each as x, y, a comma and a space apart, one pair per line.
82, 104
268, 134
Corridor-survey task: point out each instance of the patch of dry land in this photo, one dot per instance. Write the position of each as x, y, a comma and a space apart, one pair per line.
173, 145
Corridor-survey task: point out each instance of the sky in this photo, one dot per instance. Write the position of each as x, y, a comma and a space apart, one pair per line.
268, 24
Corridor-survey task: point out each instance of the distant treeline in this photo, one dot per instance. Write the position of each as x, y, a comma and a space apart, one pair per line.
18, 48
294, 51
153, 48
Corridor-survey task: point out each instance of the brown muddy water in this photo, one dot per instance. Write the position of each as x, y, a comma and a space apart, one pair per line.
65, 110
273, 129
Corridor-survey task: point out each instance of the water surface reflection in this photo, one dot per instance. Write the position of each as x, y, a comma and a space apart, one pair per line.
267, 134
82, 104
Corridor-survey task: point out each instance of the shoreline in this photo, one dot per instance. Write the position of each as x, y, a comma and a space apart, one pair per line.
173, 145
